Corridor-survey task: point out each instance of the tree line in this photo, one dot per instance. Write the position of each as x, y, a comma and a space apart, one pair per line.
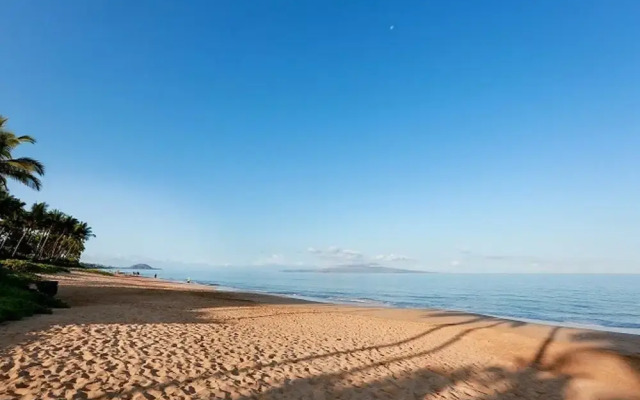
37, 232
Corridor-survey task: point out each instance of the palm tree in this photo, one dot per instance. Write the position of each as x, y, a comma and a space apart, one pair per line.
40, 220
24, 169
54, 221
82, 231
25, 222
74, 243
10, 211
65, 227
9, 205
38, 232
30, 223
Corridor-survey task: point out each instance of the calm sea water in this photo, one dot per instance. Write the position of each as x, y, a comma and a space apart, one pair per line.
610, 302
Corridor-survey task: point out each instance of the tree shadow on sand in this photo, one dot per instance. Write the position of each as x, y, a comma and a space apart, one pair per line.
540, 378
334, 385
492, 382
623, 344
544, 376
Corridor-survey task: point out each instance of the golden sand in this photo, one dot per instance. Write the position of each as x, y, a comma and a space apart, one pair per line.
139, 338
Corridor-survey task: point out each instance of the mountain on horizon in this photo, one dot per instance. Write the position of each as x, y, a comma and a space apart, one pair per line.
142, 267
369, 268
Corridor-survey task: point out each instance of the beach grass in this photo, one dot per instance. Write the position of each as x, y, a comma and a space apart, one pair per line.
96, 271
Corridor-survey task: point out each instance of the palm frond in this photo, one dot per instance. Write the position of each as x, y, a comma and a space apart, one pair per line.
27, 164
26, 139
24, 177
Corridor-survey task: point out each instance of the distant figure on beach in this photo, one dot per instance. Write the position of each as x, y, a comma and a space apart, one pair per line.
188, 280
155, 276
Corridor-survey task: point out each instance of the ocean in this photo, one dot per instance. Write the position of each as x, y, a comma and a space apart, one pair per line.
606, 302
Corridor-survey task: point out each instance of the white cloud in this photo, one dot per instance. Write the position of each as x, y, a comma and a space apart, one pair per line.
338, 254
393, 258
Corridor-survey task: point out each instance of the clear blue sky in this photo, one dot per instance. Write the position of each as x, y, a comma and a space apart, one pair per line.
452, 136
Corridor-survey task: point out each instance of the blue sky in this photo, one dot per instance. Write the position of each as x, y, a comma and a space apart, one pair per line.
450, 136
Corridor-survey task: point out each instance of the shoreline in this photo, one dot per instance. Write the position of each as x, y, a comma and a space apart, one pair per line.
138, 337
387, 310
374, 304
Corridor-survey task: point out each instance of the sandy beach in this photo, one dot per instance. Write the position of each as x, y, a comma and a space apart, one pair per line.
139, 338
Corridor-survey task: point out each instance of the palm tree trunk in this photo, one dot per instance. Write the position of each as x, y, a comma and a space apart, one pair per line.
55, 246
43, 249
60, 250
24, 233
30, 240
4, 238
41, 244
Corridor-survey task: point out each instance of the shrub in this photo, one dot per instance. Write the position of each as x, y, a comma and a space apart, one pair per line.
28, 266
16, 303
97, 271
17, 300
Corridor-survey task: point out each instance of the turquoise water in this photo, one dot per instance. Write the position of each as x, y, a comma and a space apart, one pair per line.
610, 302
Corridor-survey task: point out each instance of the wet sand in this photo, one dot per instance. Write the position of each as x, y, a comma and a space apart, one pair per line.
140, 338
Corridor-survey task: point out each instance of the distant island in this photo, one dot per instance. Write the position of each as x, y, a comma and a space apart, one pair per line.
359, 269
135, 266
141, 266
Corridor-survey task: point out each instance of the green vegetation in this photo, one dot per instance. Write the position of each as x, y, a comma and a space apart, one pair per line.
96, 266
37, 240
40, 234
36, 233
97, 271
17, 300
32, 267
24, 169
